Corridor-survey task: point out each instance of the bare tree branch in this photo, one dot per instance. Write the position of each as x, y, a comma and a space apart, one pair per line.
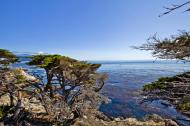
175, 47
175, 7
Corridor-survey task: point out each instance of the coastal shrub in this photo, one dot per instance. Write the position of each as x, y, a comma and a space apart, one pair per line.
19, 77
167, 79
185, 105
4, 110
162, 82
153, 86
1, 112
7, 57
185, 75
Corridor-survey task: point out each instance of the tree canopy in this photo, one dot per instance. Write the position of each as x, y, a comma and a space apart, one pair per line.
48, 61
66, 71
78, 82
7, 57
175, 47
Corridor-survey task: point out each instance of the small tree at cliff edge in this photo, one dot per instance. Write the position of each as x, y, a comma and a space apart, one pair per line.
7, 57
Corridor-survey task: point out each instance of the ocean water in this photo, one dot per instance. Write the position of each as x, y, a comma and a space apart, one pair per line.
126, 79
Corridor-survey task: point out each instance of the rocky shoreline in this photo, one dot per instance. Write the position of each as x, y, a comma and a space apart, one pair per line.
92, 117
175, 90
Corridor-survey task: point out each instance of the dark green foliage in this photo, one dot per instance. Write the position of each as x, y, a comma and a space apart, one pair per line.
175, 47
48, 61
174, 89
161, 83
58, 63
186, 75
78, 82
45, 61
7, 57
19, 76
68, 71
20, 79
4, 110
153, 86
185, 105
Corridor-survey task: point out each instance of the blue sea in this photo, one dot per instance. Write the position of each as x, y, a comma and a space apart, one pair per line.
126, 79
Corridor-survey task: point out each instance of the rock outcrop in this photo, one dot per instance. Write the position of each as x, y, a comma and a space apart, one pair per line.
155, 120
39, 116
175, 89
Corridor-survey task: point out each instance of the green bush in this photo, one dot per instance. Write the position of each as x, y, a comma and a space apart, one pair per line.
161, 83
4, 110
185, 105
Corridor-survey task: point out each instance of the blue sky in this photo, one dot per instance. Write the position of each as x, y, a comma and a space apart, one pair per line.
86, 29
